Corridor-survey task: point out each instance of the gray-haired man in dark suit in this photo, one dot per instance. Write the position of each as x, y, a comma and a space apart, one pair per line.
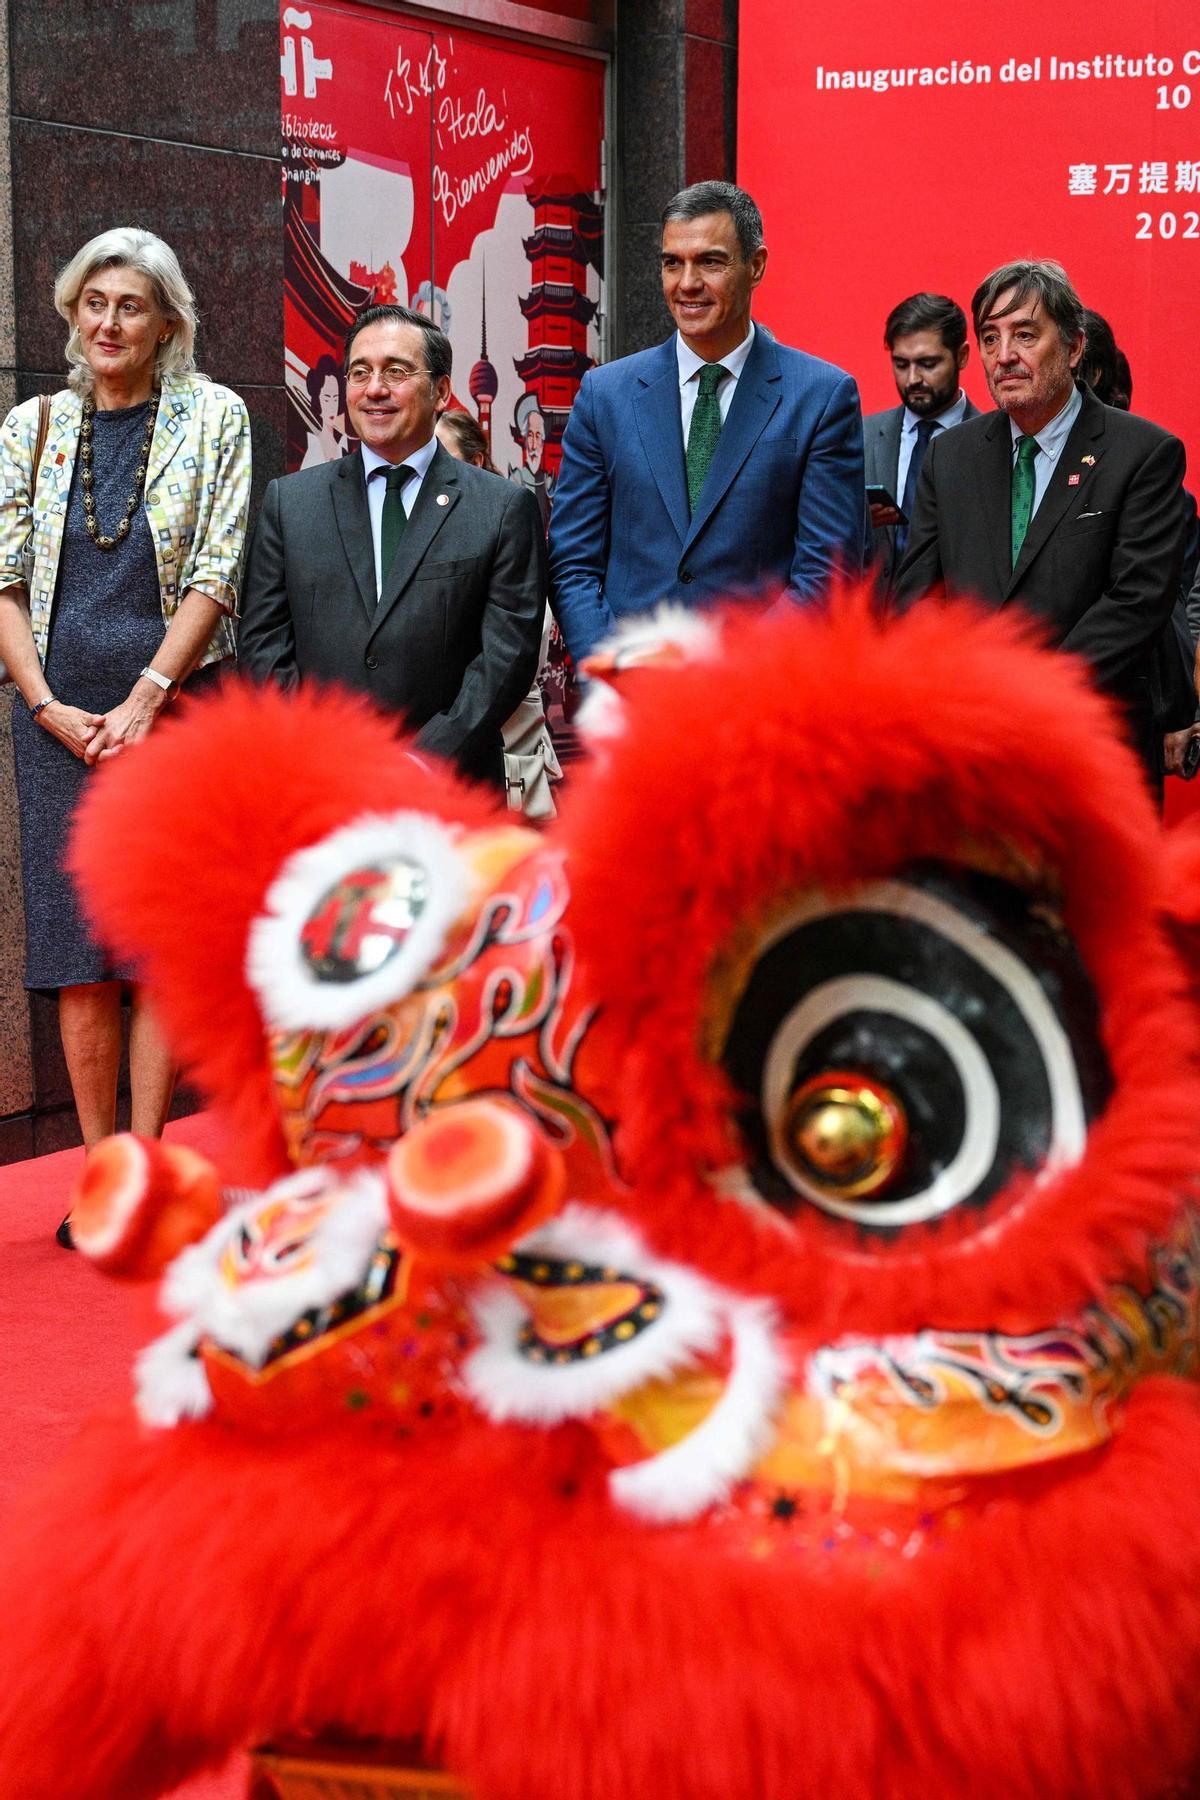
1056, 503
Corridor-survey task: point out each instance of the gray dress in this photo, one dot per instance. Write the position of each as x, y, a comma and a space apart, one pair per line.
106, 625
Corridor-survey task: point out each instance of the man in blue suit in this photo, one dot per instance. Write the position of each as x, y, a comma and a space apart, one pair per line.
721, 463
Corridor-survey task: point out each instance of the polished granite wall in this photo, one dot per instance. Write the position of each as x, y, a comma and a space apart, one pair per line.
675, 122
165, 113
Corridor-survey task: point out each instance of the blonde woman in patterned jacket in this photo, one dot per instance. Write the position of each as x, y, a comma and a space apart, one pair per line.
120, 555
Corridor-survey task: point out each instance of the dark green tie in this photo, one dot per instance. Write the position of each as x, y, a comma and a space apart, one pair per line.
394, 518
1022, 493
705, 430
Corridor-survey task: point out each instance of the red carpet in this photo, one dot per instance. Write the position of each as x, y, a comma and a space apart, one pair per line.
67, 1338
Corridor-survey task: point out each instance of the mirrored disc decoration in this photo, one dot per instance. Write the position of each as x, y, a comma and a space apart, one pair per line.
362, 921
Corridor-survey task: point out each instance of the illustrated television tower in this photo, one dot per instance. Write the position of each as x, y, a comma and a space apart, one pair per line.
483, 382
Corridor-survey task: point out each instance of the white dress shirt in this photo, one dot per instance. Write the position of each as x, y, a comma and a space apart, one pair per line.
1050, 441
377, 490
690, 366
953, 415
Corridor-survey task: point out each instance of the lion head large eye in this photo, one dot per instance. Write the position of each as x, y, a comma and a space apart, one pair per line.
354, 922
908, 1048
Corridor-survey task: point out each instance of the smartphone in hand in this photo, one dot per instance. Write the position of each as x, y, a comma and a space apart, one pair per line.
881, 496
883, 509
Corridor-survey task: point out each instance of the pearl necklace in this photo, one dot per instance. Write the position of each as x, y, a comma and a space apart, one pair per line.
101, 539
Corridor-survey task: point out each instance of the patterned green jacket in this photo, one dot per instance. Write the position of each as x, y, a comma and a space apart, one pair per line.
197, 499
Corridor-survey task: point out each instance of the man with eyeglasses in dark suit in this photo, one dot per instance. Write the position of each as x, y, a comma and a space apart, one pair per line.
399, 571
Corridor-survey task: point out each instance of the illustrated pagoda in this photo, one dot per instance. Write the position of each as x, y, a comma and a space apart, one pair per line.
319, 304
567, 240
382, 282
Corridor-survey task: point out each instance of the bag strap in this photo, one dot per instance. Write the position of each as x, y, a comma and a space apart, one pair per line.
42, 430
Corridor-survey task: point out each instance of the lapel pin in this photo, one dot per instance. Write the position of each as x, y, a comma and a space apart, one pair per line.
1089, 460
443, 499
1072, 481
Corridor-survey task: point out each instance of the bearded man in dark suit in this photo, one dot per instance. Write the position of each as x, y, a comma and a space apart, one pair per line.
399, 571
1055, 502
926, 340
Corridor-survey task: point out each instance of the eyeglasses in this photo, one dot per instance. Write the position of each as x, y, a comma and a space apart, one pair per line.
392, 375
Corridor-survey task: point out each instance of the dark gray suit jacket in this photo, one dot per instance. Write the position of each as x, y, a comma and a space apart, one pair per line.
881, 447
453, 643
1100, 564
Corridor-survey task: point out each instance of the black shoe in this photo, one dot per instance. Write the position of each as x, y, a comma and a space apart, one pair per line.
63, 1234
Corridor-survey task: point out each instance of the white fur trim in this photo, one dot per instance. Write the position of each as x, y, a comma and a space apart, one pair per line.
704, 1466
245, 1318
169, 1380
601, 717
506, 1385
634, 643
291, 996
641, 639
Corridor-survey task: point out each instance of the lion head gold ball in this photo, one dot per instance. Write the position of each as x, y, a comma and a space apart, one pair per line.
846, 1132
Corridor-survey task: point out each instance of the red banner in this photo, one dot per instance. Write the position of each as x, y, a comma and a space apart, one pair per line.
456, 173
900, 148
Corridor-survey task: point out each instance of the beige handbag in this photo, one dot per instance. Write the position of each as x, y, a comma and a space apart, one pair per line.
530, 764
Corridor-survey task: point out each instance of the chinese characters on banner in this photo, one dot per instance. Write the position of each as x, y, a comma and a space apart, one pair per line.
895, 150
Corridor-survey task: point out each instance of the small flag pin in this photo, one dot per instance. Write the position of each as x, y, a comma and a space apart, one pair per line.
1089, 460
1072, 481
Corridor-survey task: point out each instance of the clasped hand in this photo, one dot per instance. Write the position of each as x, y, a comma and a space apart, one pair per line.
73, 727
95, 737
125, 724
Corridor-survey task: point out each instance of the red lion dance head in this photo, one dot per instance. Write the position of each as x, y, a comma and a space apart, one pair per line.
717, 1313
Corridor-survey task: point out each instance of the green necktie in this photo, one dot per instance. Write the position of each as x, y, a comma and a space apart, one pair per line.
394, 518
706, 429
1022, 493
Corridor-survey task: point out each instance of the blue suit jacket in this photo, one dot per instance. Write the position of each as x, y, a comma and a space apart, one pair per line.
783, 504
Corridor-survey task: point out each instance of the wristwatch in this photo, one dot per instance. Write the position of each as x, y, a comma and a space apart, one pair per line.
170, 688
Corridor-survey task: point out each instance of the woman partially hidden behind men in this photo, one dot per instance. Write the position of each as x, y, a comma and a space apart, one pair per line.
120, 550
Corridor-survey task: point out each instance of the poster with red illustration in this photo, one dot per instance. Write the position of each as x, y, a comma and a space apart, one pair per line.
900, 148
455, 173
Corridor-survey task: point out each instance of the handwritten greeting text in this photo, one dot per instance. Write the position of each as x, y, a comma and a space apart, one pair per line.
453, 192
